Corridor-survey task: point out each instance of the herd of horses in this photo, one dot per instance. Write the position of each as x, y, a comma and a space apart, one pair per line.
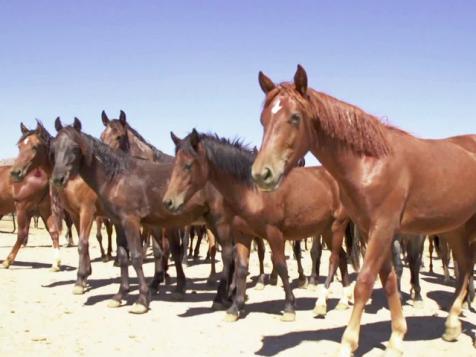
379, 190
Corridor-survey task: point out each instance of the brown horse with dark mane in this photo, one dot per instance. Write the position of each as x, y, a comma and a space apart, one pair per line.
26, 191
288, 213
389, 180
79, 201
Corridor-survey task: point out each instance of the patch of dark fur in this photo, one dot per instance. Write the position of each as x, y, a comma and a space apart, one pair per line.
160, 155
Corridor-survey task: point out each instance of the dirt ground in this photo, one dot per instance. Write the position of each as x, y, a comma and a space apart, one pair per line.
40, 316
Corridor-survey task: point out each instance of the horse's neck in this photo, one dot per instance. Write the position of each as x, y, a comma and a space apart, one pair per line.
138, 148
235, 193
94, 174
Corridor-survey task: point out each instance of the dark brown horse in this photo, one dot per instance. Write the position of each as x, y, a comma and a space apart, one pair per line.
130, 191
119, 135
26, 190
285, 214
390, 182
77, 198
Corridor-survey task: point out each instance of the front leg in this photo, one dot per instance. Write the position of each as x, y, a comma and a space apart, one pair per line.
23, 219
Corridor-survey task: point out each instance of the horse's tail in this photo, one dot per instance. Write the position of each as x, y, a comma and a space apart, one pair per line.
56, 208
352, 244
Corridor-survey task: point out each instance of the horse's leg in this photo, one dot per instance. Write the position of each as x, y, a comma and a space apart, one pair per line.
343, 303
190, 247
123, 261
108, 225
430, 250
316, 253
333, 239
377, 251
445, 259
132, 232
261, 251
277, 242
159, 275
222, 297
99, 222
69, 229
177, 250
166, 253
302, 280
397, 258
414, 256
23, 220
212, 251
196, 251
86, 219
463, 258
51, 224
185, 242
242, 255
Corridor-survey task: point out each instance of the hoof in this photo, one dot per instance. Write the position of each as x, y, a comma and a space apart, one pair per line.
78, 290
312, 287
6, 264
55, 268
418, 304
393, 352
177, 296
465, 306
217, 306
452, 333
105, 259
341, 306
113, 304
288, 317
320, 310
138, 309
230, 317
259, 286
302, 284
211, 281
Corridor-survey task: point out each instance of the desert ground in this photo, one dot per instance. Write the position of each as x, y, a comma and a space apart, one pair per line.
41, 317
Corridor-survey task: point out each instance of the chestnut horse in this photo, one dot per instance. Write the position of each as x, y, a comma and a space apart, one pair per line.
77, 198
389, 180
281, 215
26, 191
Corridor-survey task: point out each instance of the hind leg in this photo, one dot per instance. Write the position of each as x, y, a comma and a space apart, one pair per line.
414, 257
302, 280
99, 222
84, 267
177, 251
212, 251
316, 253
261, 251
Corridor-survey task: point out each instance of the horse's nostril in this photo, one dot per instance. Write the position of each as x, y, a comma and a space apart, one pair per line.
267, 174
168, 203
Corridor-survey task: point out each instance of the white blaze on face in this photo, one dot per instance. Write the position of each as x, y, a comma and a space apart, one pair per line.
276, 106
26, 141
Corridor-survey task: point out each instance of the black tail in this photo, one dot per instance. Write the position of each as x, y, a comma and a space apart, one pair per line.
352, 245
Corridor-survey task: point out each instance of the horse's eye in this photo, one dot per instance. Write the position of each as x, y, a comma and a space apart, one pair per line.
188, 166
295, 119
118, 138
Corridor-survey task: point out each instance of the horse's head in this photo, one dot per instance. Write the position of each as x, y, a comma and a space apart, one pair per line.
190, 171
285, 119
67, 152
33, 153
115, 132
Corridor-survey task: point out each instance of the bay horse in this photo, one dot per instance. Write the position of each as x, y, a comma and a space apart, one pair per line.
130, 192
390, 182
26, 191
77, 199
120, 135
284, 214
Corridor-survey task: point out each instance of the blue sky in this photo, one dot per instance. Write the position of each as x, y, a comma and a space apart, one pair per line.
175, 65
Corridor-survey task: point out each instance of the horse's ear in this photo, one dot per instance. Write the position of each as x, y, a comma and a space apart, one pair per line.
300, 80
194, 139
265, 83
77, 124
39, 127
104, 118
58, 125
23, 128
175, 138
122, 118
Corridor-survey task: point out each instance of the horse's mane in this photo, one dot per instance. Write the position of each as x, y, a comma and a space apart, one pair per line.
160, 155
352, 127
113, 162
231, 157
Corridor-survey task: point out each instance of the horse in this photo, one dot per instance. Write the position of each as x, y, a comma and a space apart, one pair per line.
284, 214
387, 179
77, 199
25, 190
119, 135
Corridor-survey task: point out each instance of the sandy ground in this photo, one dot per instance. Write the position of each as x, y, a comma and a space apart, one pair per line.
40, 316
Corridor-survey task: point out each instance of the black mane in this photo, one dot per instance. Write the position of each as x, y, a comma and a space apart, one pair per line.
229, 156
113, 162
